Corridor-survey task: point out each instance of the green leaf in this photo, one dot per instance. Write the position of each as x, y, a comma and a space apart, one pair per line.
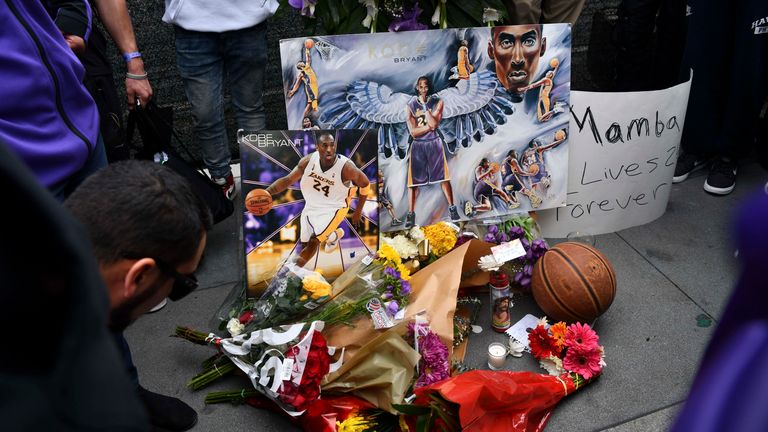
408, 409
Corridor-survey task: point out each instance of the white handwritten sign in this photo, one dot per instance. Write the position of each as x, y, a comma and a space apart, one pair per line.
622, 158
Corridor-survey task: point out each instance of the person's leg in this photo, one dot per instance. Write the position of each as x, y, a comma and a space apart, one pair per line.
747, 69
200, 66
671, 27
524, 11
96, 161
635, 70
245, 57
561, 11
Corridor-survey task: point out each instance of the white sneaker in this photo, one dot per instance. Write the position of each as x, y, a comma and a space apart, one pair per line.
333, 240
159, 306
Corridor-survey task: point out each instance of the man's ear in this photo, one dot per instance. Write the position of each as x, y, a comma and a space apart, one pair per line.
543, 46
490, 49
137, 276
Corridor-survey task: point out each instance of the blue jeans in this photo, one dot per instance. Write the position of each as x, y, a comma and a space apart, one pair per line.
205, 61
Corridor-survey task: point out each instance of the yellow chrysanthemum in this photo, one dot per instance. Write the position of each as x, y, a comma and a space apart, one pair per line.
316, 287
441, 238
353, 424
558, 333
388, 253
405, 274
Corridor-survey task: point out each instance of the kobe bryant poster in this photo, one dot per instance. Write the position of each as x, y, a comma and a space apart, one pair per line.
470, 123
320, 209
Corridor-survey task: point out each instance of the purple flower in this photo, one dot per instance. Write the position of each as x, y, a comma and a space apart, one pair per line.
493, 229
490, 238
307, 7
434, 360
390, 288
393, 307
502, 237
516, 232
407, 21
405, 288
389, 271
387, 295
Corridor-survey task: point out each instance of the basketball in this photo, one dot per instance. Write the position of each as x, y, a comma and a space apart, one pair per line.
258, 202
560, 135
573, 282
495, 167
533, 169
309, 43
553, 63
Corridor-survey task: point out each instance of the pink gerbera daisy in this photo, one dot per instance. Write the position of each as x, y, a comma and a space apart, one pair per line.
582, 361
581, 336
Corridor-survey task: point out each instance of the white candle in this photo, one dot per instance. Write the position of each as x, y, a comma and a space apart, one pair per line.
497, 354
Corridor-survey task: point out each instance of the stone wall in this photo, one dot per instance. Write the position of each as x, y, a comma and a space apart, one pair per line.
592, 60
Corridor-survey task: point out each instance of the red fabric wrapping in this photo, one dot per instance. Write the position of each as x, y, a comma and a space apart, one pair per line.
502, 400
321, 415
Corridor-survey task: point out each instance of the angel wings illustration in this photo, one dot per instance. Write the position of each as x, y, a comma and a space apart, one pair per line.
472, 109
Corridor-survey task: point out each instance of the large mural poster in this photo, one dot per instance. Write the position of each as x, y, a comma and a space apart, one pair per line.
470, 122
313, 176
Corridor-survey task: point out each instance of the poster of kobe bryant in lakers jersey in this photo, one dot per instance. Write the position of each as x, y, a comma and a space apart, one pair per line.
470, 122
309, 198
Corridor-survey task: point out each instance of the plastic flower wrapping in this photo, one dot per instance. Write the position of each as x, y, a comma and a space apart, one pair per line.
522, 228
567, 349
284, 364
291, 295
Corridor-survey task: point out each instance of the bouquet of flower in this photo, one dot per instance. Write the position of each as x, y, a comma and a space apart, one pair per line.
434, 365
377, 286
290, 296
567, 349
284, 364
421, 246
515, 228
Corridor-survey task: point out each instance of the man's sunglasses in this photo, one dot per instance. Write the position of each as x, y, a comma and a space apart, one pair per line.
182, 284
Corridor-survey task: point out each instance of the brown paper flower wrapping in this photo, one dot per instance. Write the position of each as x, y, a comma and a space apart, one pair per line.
381, 372
435, 289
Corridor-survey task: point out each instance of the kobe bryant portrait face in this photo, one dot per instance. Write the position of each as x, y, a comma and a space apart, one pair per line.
516, 51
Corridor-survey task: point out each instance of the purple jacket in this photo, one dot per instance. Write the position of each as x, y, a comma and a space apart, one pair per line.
46, 115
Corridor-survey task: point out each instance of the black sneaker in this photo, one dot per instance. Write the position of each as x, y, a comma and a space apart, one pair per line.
410, 219
722, 177
166, 412
454, 213
686, 164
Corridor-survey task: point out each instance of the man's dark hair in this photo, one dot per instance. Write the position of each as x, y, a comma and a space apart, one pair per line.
137, 209
497, 29
430, 89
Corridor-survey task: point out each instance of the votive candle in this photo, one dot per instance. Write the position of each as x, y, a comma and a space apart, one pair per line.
497, 354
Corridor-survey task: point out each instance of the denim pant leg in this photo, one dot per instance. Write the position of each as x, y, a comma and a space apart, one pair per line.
200, 63
245, 58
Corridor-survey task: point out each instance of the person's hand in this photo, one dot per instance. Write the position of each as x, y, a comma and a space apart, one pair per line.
291, 93
75, 43
356, 218
137, 88
140, 89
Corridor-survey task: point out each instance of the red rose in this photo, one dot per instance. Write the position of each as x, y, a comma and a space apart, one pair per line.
246, 317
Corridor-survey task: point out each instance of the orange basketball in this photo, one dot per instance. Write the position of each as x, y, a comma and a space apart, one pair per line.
553, 63
573, 282
495, 167
309, 43
258, 202
533, 169
560, 135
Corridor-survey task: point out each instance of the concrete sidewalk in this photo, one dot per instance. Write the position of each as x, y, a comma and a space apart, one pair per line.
674, 276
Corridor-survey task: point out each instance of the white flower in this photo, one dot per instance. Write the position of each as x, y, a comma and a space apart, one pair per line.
553, 365
234, 327
372, 11
488, 263
490, 15
405, 248
436, 15
543, 322
516, 349
416, 234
